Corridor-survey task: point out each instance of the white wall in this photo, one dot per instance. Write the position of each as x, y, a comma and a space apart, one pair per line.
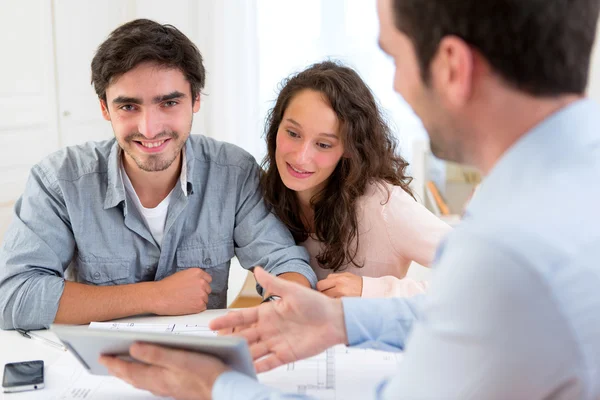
47, 101
28, 117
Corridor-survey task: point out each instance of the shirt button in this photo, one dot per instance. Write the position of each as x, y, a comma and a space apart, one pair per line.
96, 275
207, 261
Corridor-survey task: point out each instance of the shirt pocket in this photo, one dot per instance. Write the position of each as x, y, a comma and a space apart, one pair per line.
205, 257
103, 272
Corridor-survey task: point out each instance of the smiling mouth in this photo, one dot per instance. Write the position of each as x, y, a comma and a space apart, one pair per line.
151, 145
299, 171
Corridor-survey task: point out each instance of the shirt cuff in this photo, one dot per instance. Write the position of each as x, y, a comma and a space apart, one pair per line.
302, 269
390, 286
358, 317
385, 329
232, 385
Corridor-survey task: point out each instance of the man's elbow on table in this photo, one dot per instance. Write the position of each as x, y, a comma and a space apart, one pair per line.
22, 307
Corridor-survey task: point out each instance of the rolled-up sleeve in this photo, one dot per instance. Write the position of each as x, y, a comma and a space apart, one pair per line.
261, 238
37, 249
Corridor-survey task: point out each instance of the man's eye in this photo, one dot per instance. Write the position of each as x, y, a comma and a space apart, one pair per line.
127, 107
170, 103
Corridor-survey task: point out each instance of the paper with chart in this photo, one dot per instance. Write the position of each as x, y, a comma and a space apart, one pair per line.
175, 329
339, 373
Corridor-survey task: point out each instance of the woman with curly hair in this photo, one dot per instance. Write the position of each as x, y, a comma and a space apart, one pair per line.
333, 176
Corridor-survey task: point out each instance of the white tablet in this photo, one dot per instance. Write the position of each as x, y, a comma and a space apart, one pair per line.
88, 344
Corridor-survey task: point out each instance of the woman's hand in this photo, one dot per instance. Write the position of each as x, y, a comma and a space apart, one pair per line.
342, 284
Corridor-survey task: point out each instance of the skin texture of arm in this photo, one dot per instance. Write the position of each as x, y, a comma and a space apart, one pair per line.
177, 294
296, 278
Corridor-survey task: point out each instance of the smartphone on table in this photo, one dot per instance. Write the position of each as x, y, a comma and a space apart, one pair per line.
22, 376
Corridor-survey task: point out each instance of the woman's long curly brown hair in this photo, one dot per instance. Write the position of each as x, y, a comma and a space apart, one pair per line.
369, 156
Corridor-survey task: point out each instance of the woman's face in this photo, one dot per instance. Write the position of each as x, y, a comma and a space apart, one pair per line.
309, 145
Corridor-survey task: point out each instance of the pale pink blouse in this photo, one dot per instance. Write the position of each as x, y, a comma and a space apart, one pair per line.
392, 234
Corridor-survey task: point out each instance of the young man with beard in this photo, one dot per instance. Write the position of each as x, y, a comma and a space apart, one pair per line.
149, 220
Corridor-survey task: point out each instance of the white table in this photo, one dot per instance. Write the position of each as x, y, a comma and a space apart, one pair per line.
14, 347
337, 373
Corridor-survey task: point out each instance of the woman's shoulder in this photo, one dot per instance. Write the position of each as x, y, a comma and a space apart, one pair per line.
379, 193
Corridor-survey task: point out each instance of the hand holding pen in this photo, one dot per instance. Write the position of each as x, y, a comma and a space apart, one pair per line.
35, 336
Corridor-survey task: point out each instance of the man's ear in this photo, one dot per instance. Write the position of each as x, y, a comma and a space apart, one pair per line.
452, 71
104, 108
196, 106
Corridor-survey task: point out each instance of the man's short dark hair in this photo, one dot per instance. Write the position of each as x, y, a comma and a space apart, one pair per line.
141, 41
541, 47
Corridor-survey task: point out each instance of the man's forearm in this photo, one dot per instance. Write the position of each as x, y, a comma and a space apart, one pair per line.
296, 278
291, 277
82, 304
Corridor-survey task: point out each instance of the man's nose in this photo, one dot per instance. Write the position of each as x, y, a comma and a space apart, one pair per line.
150, 124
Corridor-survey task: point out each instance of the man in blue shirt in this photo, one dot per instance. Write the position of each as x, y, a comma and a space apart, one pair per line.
514, 307
149, 221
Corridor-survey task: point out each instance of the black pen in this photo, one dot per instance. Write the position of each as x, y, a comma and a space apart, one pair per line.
31, 335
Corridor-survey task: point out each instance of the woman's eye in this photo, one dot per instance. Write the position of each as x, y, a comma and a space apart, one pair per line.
324, 145
292, 134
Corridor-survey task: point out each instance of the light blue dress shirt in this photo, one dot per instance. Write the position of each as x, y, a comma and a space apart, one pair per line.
513, 311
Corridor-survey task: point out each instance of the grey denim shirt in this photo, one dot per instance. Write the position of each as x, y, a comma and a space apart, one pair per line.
75, 214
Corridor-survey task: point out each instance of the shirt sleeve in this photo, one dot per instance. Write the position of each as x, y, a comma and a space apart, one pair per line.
386, 329
484, 329
233, 385
261, 238
414, 232
390, 286
37, 249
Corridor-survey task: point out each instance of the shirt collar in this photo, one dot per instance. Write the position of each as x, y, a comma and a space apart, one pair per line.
183, 176
188, 166
556, 137
115, 192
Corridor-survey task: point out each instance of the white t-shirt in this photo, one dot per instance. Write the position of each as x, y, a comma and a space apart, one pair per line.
156, 217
